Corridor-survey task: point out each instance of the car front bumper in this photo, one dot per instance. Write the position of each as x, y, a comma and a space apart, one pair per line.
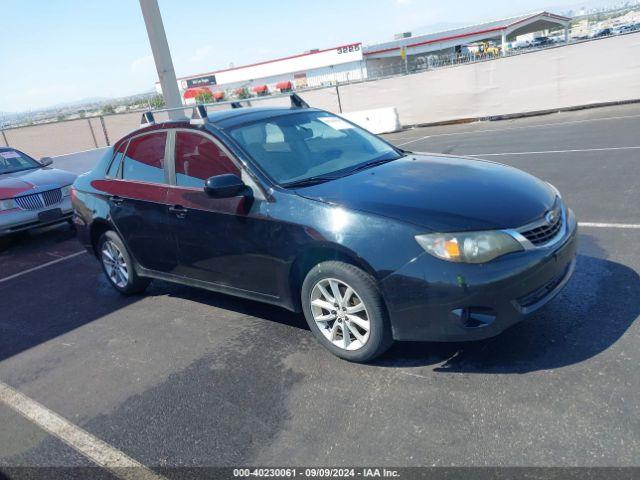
16, 220
432, 300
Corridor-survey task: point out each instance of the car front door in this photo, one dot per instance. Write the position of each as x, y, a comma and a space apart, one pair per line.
220, 240
138, 201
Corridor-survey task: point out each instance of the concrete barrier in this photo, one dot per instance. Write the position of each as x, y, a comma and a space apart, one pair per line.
380, 120
606, 70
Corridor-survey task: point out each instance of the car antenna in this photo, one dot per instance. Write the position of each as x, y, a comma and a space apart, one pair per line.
147, 119
297, 102
199, 115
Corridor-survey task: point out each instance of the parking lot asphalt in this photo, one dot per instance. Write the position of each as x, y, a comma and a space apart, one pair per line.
183, 377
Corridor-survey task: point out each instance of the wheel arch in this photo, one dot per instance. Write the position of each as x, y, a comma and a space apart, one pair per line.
98, 228
314, 255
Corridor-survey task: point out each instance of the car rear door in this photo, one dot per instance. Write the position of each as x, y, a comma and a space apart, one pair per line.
220, 240
138, 201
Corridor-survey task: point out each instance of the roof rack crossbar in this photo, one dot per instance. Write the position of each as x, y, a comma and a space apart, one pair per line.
296, 102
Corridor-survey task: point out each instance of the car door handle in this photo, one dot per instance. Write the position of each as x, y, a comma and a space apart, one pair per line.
178, 210
116, 200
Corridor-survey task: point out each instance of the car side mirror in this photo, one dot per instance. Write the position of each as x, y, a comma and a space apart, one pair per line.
46, 161
226, 186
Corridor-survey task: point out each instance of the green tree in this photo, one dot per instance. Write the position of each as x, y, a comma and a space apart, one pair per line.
61, 117
107, 109
157, 101
204, 97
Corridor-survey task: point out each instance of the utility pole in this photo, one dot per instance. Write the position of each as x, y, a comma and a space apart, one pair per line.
162, 56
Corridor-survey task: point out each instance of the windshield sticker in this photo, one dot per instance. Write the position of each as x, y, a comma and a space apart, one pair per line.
335, 123
9, 154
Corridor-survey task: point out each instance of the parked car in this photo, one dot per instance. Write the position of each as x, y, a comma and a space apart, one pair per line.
32, 193
520, 45
541, 42
626, 29
300, 208
605, 32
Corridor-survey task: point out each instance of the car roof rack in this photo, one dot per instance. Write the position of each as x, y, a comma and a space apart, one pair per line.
298, 102
147, 119
199, 114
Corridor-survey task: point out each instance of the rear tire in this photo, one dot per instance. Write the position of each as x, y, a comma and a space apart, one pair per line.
345, 311
118, 266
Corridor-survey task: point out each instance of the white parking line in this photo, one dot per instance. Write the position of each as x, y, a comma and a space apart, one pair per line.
44, 265
523, 127
633, 226
545, 152
99, 452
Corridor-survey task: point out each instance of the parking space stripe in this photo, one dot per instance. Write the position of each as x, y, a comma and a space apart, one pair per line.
44, 265
99, 452
610, 225
545, 152
523, 127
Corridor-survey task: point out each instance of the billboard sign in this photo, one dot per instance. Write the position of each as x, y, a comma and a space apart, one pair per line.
201, 81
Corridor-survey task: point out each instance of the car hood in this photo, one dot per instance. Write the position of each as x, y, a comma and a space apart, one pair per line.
12, 184
441, 193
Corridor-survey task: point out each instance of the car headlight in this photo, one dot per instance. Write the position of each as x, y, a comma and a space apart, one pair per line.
469, 247
66, 191
8, 204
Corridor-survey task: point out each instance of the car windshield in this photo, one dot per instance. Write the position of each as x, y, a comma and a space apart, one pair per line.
14, 161
301, 147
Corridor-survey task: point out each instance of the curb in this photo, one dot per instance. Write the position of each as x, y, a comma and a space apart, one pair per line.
511, 116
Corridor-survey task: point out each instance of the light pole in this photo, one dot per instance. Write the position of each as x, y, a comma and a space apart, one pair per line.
162, 56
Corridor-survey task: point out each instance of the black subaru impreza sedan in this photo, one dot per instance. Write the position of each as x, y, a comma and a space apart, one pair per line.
300, 208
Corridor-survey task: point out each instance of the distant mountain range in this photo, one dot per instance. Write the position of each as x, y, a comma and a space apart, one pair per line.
81, 102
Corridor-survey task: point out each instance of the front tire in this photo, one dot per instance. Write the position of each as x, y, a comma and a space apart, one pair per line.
345, 311
118, 265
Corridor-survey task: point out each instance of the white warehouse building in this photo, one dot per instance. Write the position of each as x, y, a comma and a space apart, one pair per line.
355, 62
311, 69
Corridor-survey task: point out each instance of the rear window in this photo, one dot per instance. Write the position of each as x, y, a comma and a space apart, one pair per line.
144, 160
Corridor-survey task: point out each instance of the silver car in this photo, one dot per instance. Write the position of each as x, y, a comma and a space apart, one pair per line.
32, 194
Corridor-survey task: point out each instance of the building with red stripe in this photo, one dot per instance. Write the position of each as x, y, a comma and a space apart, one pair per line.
354, 62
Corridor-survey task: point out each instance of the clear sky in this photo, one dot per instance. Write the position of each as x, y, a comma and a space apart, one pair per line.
54, 51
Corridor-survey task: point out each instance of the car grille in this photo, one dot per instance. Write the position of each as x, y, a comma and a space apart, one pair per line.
544, 233
36, 201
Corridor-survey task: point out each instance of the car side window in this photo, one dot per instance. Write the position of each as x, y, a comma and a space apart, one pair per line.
198, 158
112, 172
144, 160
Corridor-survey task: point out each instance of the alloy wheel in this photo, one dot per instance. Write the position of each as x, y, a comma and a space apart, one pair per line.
114, 264
340, 314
